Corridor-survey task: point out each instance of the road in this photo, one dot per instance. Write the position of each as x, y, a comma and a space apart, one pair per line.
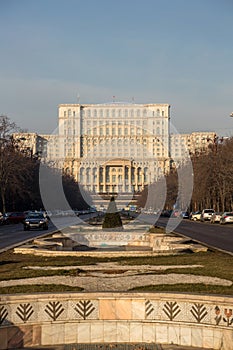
214, 235
14, 234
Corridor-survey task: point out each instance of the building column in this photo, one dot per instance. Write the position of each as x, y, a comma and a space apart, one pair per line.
123, 179
98, 179
104, 178
136, 177
142, 175
129, 179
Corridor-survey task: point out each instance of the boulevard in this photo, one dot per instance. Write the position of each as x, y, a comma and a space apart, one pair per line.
13, 235
214, 235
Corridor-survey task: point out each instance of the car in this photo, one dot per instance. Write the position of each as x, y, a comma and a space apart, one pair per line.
1, 219
184, 215
14, 218
176, 213
196, 216
206, 214
36, 220
215, 217
166, 213
226, 218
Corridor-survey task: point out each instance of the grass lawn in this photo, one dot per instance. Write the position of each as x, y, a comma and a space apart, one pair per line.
214, 264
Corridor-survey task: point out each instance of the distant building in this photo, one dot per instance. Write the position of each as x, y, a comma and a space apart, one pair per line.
115, 147
184, 145
31, 143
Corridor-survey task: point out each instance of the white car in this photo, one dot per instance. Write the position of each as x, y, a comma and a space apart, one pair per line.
215, 217
226, 218
196, 216
206, 214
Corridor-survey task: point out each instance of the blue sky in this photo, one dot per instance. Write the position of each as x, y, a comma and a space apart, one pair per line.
155, 51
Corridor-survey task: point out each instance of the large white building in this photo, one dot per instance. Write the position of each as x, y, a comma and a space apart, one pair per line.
117, 147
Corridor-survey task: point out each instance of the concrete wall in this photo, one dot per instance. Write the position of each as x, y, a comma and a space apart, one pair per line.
66, 318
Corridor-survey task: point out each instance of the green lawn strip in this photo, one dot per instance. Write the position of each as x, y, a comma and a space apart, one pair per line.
215, 264
39, 288
199, 288
30, 273
9, 257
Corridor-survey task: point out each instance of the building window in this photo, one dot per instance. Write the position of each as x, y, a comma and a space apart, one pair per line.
101, 174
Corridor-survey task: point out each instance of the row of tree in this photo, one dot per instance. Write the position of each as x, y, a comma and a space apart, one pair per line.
19, 176
204, 181
213, 177
209, 177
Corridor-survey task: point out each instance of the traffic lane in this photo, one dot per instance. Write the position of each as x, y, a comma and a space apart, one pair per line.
13, 234
215, 235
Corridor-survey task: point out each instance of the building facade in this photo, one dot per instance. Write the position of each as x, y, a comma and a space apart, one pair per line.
115, 147
185, 145
32, 144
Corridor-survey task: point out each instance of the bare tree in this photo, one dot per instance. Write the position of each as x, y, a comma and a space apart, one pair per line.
14, 168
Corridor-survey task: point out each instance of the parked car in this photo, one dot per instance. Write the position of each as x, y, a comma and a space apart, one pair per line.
196, 216
1, 218
184, 215
215, 217
226, 218
36, 220
14, 218
206, 214
166, 213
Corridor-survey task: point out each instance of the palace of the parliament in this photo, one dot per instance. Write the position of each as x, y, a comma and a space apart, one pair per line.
115, 147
